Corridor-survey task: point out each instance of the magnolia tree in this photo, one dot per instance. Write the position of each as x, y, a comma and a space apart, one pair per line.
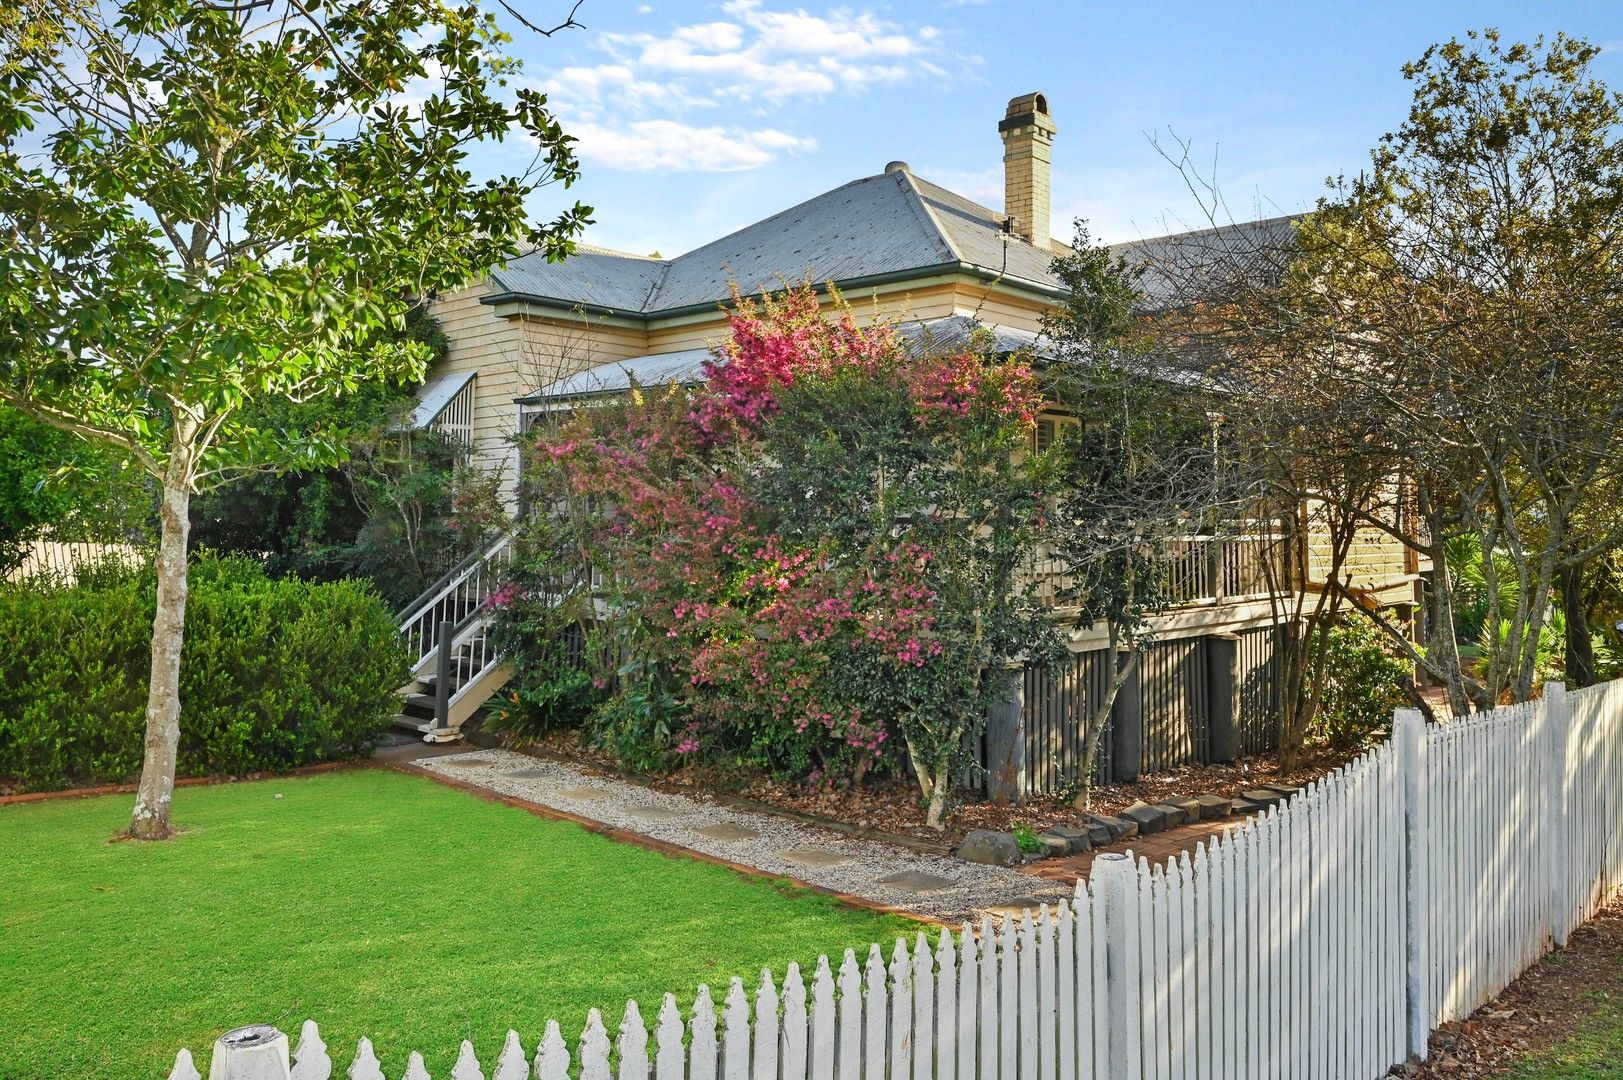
810, 558
208, 204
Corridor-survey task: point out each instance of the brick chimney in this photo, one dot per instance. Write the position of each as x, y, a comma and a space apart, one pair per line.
1028, 142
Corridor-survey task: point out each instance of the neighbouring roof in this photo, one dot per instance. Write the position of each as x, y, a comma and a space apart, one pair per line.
890, 224
1186, 267
686, 368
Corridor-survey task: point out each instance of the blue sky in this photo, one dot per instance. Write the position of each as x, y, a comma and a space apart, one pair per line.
696, 119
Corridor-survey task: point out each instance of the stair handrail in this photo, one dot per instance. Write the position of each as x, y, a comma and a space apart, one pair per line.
420, 624
434, 591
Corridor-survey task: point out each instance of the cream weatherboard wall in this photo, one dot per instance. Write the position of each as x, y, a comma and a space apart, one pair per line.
515, 355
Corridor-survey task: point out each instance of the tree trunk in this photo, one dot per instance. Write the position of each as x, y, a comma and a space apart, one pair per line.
935, 815
1098, 720
1580, 662
935, 783
150, 820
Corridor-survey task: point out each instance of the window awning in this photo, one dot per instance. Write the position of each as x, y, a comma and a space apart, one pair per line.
436, 394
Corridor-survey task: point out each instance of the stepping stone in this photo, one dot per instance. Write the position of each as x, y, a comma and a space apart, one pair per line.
1149, 819
582, 794
1214, 806
1190, 807
1176, 814
916, 881
1100, 835
1286, 790
726, 830
813, 856
1263, 797
650, 812
1120, 828
1015, 910
461, 763
527, 774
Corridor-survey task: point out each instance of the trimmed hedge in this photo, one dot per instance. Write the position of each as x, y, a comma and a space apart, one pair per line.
274, 674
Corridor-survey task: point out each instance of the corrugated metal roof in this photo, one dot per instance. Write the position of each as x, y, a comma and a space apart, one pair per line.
891, 223
686, 368
661, 369
435, 394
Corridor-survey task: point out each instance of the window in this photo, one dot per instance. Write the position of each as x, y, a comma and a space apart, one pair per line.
1049, 429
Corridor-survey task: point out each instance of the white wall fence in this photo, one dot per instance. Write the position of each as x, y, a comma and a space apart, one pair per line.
64, 559
1324, 939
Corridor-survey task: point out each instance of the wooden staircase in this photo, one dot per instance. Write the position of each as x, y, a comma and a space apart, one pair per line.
455, 665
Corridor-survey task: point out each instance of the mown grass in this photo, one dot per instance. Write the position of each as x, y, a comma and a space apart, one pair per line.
375, 903
1593, 1052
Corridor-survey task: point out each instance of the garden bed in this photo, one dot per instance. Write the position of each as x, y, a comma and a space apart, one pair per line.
891, 806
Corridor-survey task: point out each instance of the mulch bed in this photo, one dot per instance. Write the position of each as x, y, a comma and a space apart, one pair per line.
892, 806
1540, 1009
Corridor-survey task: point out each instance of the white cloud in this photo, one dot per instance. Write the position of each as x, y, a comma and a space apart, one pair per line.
644, 145
636, 110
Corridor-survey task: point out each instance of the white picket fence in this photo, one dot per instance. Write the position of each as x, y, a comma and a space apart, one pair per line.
1324, 939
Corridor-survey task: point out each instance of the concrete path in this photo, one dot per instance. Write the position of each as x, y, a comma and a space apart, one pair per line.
886, 874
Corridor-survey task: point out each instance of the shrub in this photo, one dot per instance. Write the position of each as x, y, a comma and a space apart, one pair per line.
274, 674
1364, 683
808, 564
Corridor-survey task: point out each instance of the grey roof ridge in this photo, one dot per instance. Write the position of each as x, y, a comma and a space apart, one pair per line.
745, 228
1209, 230
599, 249
922, 206
653, 290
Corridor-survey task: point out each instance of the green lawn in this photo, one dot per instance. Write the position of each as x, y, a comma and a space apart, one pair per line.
1593, 1052
374, 903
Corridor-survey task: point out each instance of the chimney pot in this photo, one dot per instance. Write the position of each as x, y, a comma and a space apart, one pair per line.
1028, 138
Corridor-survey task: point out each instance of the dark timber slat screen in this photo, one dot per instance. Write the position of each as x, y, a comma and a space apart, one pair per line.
1174, 694
1173, 690
1256, 687
1056, 706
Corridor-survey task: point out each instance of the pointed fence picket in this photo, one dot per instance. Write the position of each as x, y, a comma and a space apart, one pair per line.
1321, 939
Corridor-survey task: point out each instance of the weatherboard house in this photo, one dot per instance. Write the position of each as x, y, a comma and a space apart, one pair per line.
540, 336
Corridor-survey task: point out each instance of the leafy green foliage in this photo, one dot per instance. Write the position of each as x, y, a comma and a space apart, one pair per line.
275, 674
1026, 838
814, 556
245, 203
208, 206
402, 508
56, 484
1364, 682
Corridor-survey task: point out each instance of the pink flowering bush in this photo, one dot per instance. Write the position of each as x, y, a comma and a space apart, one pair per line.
806, 564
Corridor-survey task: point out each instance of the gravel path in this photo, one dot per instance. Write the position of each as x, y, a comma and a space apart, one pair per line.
932, 885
